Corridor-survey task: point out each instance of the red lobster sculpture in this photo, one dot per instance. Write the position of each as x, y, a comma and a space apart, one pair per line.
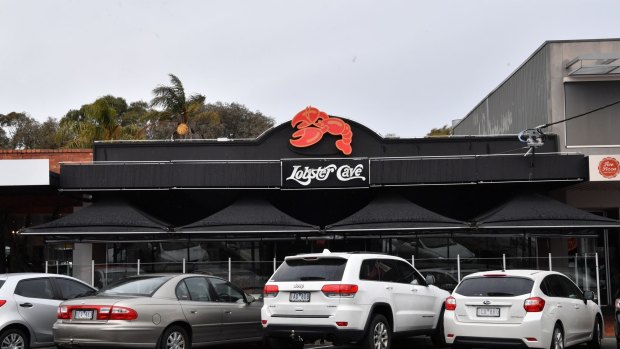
312, 124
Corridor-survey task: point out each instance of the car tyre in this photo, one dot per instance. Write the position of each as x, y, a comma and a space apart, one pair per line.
378, 335
174, 337
438, 338
597, 335
557, 339
14, 338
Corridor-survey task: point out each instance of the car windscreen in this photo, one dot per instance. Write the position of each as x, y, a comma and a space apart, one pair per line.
489, 286
135, 286
311, 269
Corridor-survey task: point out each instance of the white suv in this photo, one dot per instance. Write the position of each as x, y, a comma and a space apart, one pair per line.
363, 298
521, 308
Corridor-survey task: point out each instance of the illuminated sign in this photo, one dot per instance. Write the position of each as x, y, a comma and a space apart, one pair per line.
312, 124
324, 173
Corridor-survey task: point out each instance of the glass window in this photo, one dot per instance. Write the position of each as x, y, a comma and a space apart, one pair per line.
72, 289
409, 274
373, 270
35, 288
569, 290
487, 286
136, 286
182, 292
319, 269
227, 292
198, 288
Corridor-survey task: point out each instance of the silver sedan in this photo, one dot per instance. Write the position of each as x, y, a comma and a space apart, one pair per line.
161, 310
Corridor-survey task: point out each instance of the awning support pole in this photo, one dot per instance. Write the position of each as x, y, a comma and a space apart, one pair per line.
504, 261
577, 269
138, 267
183, 265
229, 268
274, 264
92, 272
46, 265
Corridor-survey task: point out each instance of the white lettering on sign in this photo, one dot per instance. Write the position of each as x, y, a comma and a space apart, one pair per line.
344, 173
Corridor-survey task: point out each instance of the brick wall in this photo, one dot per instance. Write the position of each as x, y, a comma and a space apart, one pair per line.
56, 156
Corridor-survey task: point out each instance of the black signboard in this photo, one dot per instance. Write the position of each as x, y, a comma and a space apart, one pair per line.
324, 173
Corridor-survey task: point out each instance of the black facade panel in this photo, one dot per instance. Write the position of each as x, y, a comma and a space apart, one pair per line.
531, 168
115, 175
422, 171
225, 174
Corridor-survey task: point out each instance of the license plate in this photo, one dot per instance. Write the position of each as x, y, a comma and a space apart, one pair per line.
487, 312
299, 297
83, 314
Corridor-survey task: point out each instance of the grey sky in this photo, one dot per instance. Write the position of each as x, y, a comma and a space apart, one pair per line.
399, 67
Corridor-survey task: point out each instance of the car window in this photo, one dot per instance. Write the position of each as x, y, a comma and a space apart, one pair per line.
311, 269
569, 290
71, 289
409, 274
227, 292
136, 286
373, 270
489, 286
182, 292
35, 288
198, 288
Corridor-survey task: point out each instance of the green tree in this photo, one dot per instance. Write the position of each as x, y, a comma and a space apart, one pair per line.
235, 121
99, 121
179, 108
444, 131
20, 131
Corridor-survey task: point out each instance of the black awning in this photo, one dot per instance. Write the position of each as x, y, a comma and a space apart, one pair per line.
394, 213
248, 215
102, 217
538, 211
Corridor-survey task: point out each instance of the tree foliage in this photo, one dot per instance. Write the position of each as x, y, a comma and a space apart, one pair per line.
444, 131
112, 118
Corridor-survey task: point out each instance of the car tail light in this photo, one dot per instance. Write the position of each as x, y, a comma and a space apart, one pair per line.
344, 290
122, 313
342, 323
270, 291
534, 304
264, 322
450, 303
2, 302
63, 313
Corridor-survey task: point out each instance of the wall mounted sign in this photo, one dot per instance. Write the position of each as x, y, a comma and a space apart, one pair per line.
312, 124
324, 173
604, 167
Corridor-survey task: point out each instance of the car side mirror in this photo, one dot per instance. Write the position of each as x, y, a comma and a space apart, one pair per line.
588, 295
430, 280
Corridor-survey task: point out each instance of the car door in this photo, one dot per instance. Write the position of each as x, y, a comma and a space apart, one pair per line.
37, 306
202, 312
584, 321
405, 312
564, 306
421, 296
241, 319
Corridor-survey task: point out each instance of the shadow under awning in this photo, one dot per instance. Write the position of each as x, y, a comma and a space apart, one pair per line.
538, 211
106, 217
251, 216
392, 214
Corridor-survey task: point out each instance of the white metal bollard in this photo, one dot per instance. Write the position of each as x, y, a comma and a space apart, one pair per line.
458, 267
577, 269
504, 261
585, 261
413, 261
92, 272
138, 272
598, 288
229, 269
550, 266
46, 265
183, 265
274, 264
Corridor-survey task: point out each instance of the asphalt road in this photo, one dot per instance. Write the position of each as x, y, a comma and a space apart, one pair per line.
418, 343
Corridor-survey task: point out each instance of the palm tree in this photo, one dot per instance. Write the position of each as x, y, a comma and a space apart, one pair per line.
177, 106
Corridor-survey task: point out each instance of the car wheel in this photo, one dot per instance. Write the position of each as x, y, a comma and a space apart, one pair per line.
174, 337
597, 335
557, 340
438, 338
378, 335
13, 338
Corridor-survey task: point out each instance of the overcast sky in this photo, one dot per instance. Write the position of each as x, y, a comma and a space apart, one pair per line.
399, 67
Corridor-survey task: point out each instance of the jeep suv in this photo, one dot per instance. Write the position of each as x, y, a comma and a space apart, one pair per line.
363, 298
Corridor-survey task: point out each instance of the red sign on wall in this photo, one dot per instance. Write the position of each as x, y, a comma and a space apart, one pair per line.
312, 124
609, 167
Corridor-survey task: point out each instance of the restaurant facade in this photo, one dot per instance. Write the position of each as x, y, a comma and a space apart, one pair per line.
237, 207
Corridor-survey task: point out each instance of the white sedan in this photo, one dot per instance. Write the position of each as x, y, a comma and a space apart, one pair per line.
538, 309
